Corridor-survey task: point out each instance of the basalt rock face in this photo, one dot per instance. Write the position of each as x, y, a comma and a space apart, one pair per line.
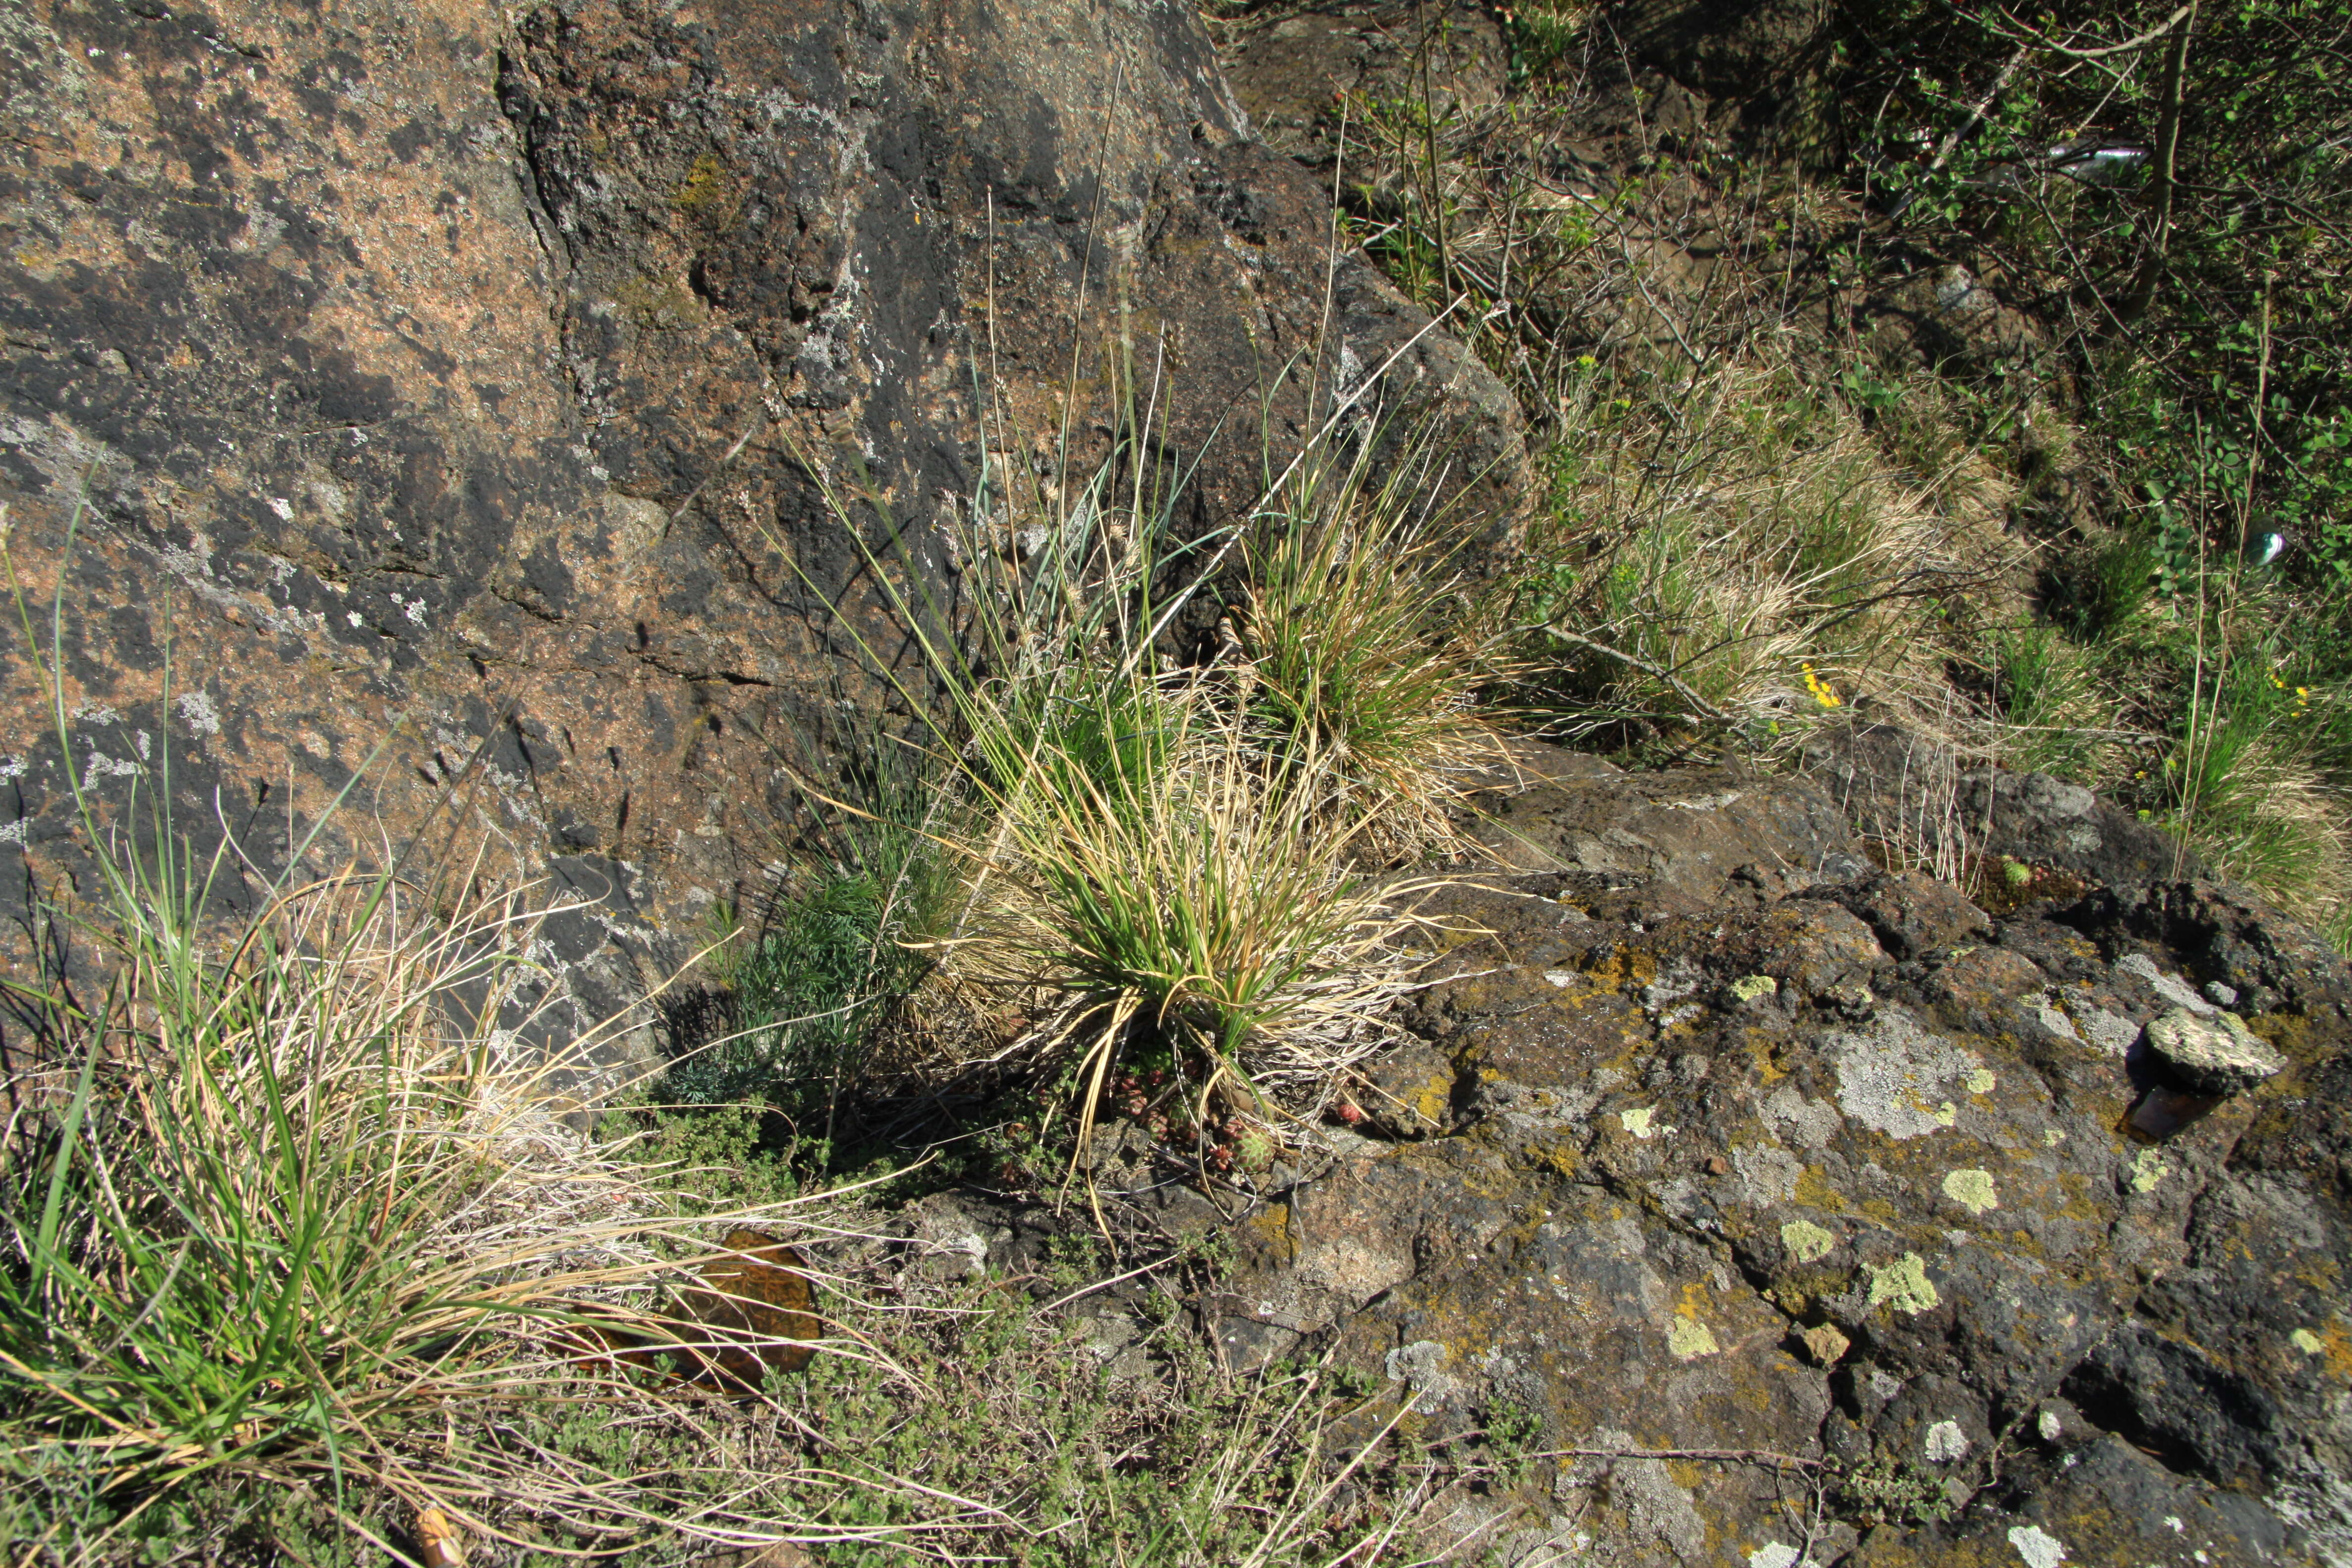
1797, 1203
1913, 793
471, 383
1292, 67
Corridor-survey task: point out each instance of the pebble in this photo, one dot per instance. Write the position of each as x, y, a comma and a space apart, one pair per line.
1824, 1343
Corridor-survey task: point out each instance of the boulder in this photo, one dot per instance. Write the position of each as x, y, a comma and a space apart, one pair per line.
1915, 796
1745, 49
1679, 840
1913, 914
1954, 316
470, 408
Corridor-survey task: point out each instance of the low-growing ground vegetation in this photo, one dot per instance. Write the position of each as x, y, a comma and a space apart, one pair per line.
300, 1251
2035, 333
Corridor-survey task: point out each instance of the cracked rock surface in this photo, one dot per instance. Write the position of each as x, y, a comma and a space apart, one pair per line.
1888, 1212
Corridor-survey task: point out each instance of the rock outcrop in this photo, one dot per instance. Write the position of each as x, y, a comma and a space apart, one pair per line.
1775, 1159
1915, 796
461, 398
1291, 67
466, 416
1803, 1211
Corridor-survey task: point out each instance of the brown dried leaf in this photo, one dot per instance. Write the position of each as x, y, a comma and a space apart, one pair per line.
752, 1309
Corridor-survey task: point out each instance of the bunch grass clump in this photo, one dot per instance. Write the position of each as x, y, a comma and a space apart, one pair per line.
270, 1205
1728, 550
1160, 845
2250, 779
2059, 720
1202, 907
1357, 648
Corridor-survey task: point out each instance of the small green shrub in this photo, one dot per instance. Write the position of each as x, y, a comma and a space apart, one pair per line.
810, 986
1890, 1491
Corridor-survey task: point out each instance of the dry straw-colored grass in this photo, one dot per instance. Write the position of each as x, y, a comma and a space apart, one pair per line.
304, 1244
1733, 549
1354, 645
280, 1196
1196, 899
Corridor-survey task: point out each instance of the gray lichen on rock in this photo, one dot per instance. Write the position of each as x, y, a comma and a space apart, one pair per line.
2214, 1055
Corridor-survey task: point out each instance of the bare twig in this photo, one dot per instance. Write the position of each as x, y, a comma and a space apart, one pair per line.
2167, 151
1705, 707
2045, 40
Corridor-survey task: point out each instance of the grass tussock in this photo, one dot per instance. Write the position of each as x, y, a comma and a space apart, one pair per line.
1354, 649
2055, 717
2255, 774
1162, 847
1730, 551
273, 1202
1198, 905
282, 1189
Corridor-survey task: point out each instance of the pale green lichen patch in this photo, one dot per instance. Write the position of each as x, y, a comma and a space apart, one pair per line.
1972, 1190
1805, 1240
1980, 1081
1946, 1443
1902, 1285
1637, 1122
1689, 1339
1753, 988
2307, 1343
2148, 1168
